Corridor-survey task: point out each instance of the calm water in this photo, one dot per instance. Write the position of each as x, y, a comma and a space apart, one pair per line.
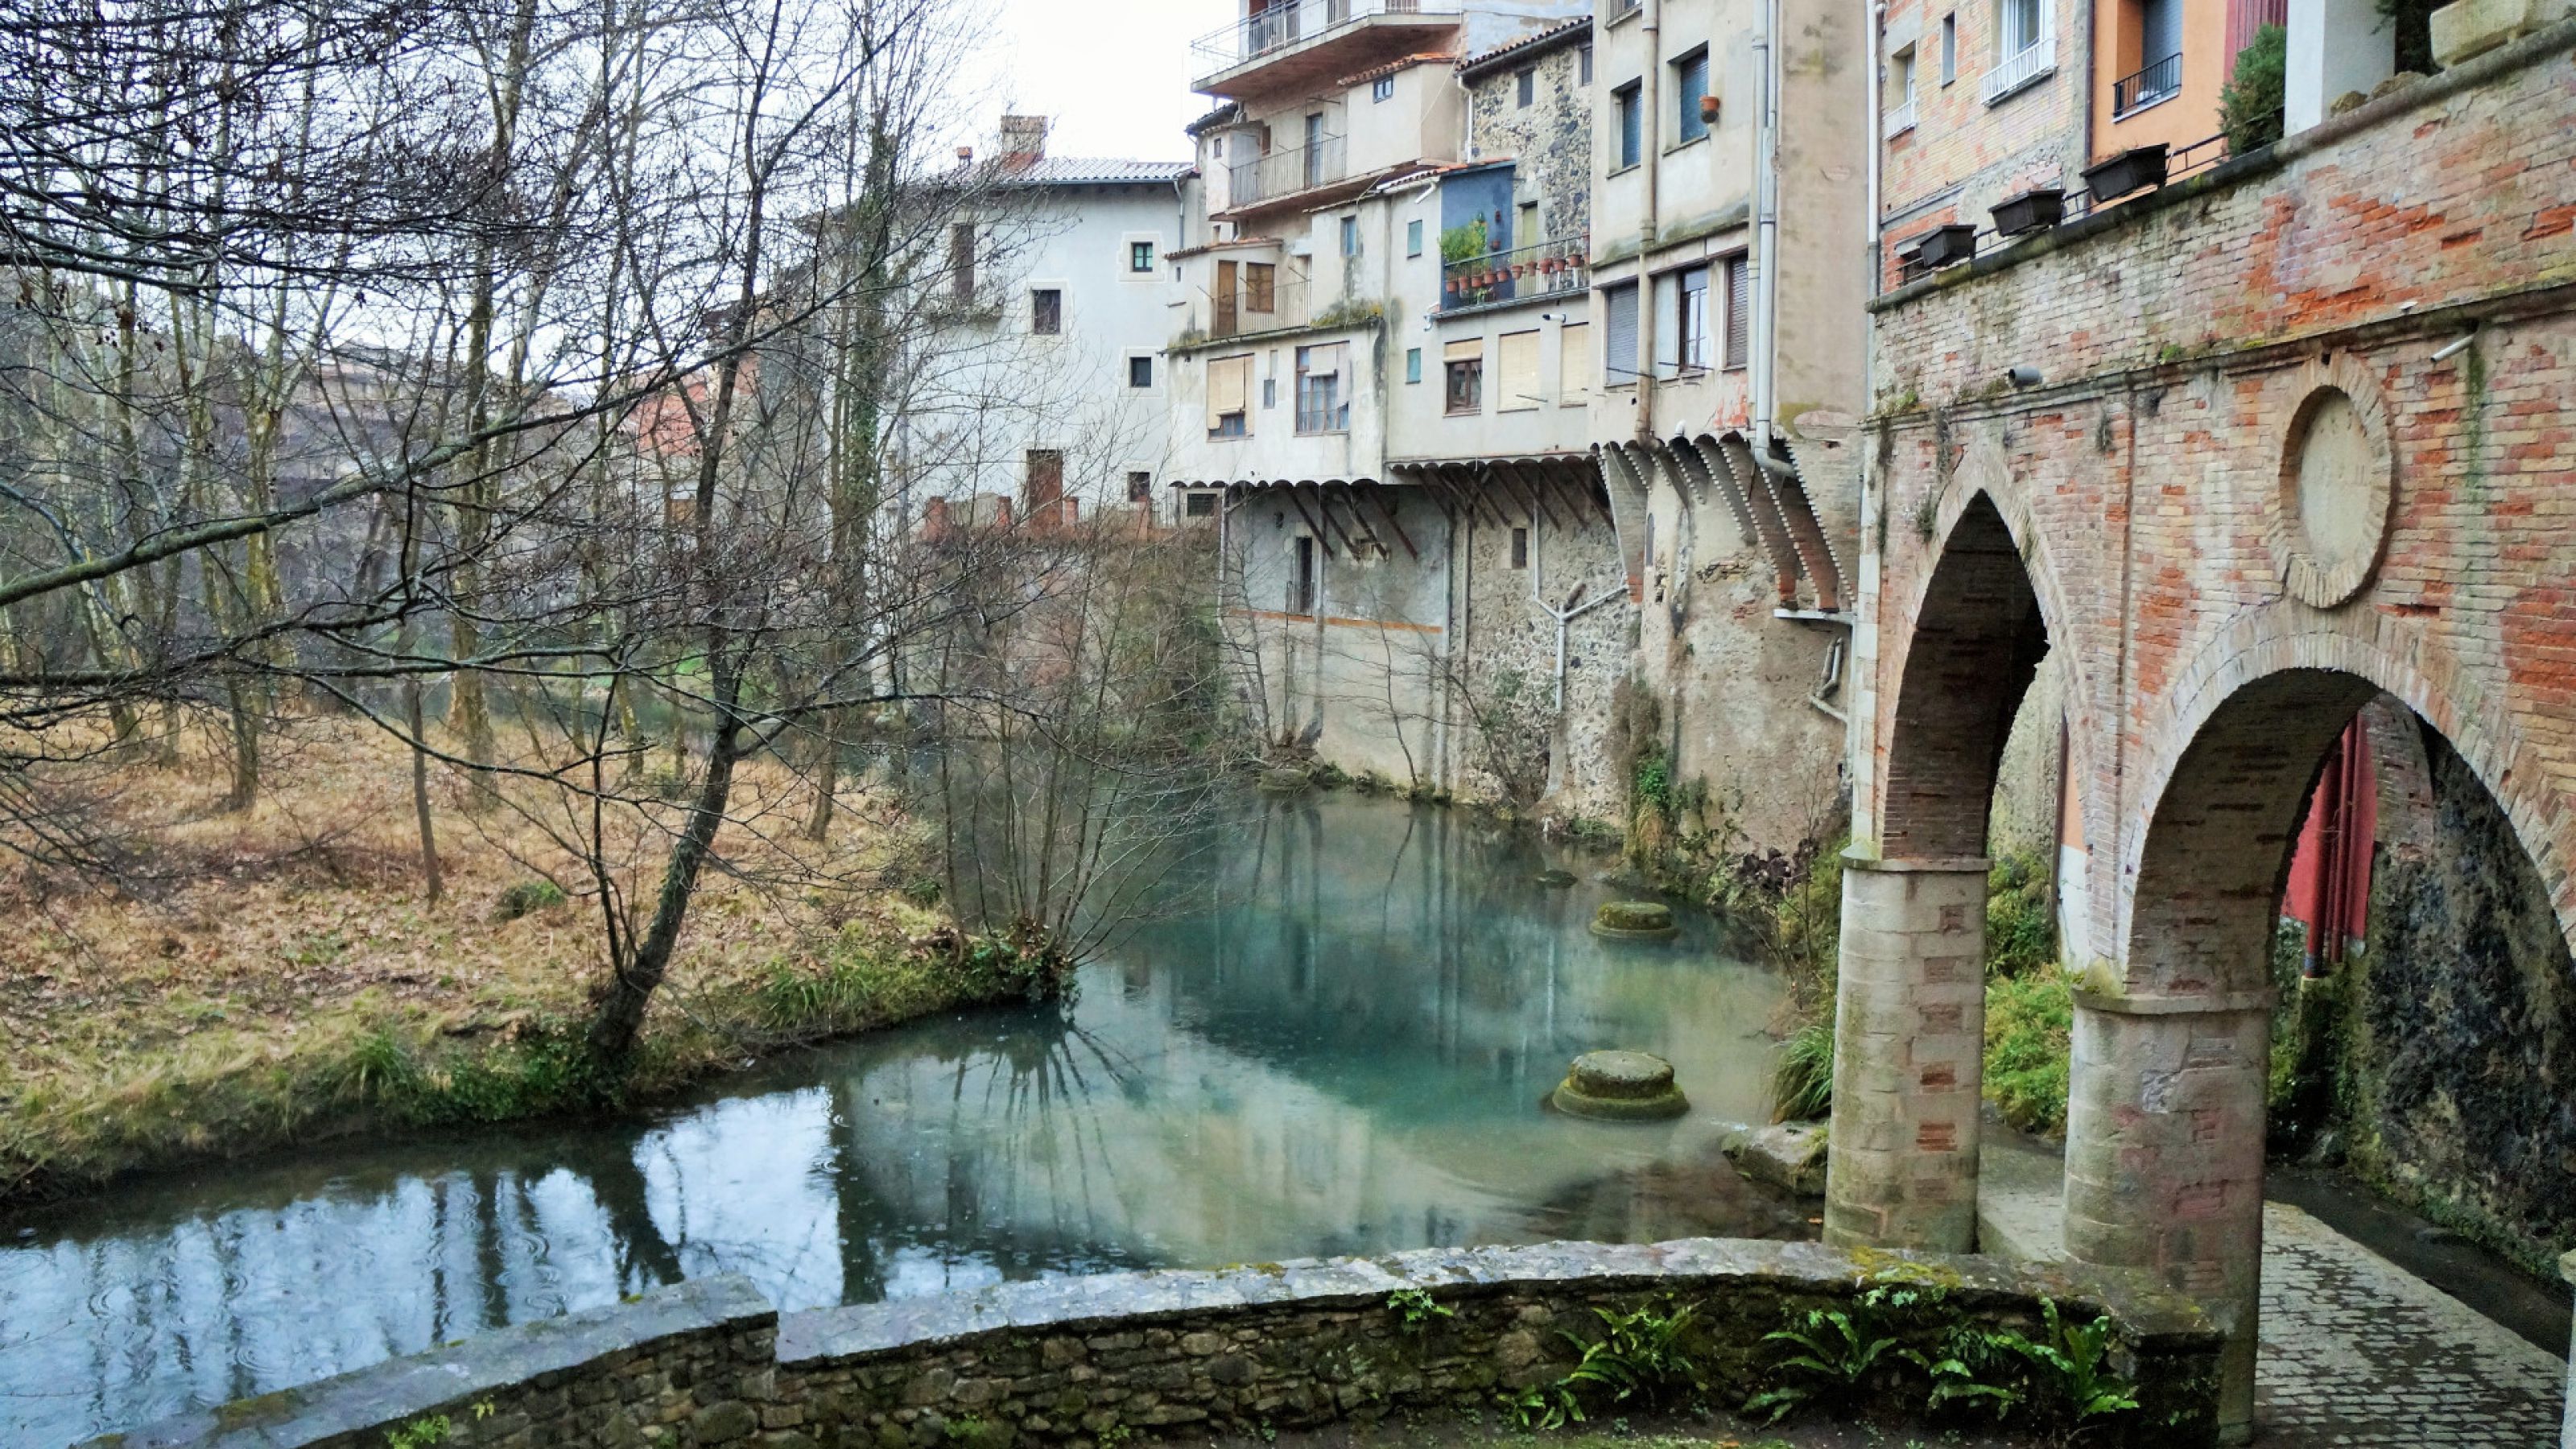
1343, 1051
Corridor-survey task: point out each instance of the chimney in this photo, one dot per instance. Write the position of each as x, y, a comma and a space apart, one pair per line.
1023, 141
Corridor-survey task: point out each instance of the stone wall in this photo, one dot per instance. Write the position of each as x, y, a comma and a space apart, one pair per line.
1076, 1361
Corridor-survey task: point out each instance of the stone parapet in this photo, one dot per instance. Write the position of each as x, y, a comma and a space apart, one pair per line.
1080, 1361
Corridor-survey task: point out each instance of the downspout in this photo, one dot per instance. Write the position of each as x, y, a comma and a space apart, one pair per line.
1766, 239
1650, 100
1873, 99
1565, 617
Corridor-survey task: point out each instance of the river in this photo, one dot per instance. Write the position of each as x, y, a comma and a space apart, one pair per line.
1341, 1045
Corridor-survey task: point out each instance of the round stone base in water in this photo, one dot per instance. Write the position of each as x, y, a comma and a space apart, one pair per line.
1635, 921
1620, 1087
1284, 781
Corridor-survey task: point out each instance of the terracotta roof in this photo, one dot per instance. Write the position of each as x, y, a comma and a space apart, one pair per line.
1525, 47
1408, 62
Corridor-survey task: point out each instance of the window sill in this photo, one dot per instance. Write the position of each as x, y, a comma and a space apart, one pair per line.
1623, 17
1464, 413
1323, 432
1685, 145
1621, 170
2142, 107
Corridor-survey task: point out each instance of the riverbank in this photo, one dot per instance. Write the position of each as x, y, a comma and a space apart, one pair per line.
278, 976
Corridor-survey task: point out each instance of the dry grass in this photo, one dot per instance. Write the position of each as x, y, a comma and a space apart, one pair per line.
262, 976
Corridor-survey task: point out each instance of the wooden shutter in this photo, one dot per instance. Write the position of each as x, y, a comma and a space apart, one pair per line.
1229, 387
1619, 348
1516, 371
1574, 367
1260, 287
1739, 312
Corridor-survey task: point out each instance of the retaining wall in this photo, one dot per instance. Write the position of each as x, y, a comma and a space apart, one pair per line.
1239, 1350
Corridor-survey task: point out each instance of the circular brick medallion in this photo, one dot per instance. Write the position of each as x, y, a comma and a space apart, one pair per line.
2338, 477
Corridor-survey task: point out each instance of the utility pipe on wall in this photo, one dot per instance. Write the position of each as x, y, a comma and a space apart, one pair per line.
1766, 236
1574, 608
1650, 129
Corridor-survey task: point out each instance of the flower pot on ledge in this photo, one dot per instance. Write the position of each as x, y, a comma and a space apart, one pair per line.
2041, 206
2131, 170
1949, 244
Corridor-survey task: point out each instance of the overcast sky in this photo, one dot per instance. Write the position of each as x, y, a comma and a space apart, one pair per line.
1113, 74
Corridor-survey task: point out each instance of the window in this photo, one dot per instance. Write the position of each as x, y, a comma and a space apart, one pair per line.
1350, 236
1516, 372
1465, 359
1229, 393
1583, 65
1690, 320
1045, 495
1413, 237
1690, 85
1949, 47
1140, 372
1526, 225
1322, 403
1520, 548
1739, 310
1631, 138
1382, 89
1046, 311
2020, 25
961, 259
1198, 505
1619, 342
1525, 88
1900, 78
2150, 40
1140, 256
1260, 286
1573, 363
1140, 487
1301, 578
1270, 390
1413, 364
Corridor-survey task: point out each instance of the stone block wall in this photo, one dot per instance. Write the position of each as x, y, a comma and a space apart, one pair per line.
1083, 1361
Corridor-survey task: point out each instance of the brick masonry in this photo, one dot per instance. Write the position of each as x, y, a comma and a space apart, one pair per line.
2143, 488
1082, 1361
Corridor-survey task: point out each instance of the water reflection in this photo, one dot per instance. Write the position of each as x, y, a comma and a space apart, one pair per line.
1342, 1050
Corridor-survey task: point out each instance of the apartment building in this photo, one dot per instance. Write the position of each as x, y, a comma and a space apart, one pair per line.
1728, 249
1034, 385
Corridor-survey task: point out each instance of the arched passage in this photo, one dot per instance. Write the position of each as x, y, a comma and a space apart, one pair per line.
1910, 996
2171, 1056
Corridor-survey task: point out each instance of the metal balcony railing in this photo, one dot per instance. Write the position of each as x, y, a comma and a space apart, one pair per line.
2154, 83
2182, 161
1288, 23
2023, 67
1540, 269
1285, 173
1900, 120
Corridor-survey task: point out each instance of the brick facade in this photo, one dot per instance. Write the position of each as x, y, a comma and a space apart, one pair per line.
2145, 499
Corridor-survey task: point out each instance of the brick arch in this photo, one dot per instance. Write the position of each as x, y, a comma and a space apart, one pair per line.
2250, 723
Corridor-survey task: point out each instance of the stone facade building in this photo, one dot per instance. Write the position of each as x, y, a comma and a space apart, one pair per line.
2271, 446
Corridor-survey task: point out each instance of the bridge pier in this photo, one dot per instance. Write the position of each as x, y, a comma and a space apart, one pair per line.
1909, 1055
2164, 1157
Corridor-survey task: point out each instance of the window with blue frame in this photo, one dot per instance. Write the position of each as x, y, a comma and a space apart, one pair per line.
1690, 84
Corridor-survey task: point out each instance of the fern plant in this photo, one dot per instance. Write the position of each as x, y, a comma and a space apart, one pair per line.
1829, 1350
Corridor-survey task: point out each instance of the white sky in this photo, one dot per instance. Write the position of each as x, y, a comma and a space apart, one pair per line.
1113, 74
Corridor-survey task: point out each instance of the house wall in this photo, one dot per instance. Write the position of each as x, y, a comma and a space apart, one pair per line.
1964, 153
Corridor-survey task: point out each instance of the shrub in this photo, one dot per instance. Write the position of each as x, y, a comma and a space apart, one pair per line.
2250, 105
2021, 925
2030, 1021
1802, 1084
526, 898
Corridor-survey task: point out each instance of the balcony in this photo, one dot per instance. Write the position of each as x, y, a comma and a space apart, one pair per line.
2157, 82
1541, 269
1261, 299
1899, 121
1294, 44
2023, 68
1299, 169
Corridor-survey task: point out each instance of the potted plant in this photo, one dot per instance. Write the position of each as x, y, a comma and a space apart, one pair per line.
2038, 207
1944, 245
2139, 166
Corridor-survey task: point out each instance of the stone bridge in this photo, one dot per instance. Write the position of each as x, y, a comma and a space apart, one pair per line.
2243, 455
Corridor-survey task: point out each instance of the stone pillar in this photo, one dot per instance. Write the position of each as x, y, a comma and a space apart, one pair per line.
2567, 1434
2164, 1157
1909, 1052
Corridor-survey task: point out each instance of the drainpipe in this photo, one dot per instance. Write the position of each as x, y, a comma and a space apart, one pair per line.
1650, 100
1873, 99
1766, 239
1574, 608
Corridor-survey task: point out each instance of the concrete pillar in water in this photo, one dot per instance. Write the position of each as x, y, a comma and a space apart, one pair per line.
2164, 1157
1909, 1052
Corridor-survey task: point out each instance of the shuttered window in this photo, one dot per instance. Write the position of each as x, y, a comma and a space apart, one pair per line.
1619, 345
1463, 362
1229, 389
1574, 370
1690, 82
1260, 286
1516, 372
1739, 311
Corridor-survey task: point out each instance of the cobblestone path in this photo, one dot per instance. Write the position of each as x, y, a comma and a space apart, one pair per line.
2359, 1352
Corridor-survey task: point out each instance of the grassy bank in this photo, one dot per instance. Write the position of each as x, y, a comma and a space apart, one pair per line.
266, 978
